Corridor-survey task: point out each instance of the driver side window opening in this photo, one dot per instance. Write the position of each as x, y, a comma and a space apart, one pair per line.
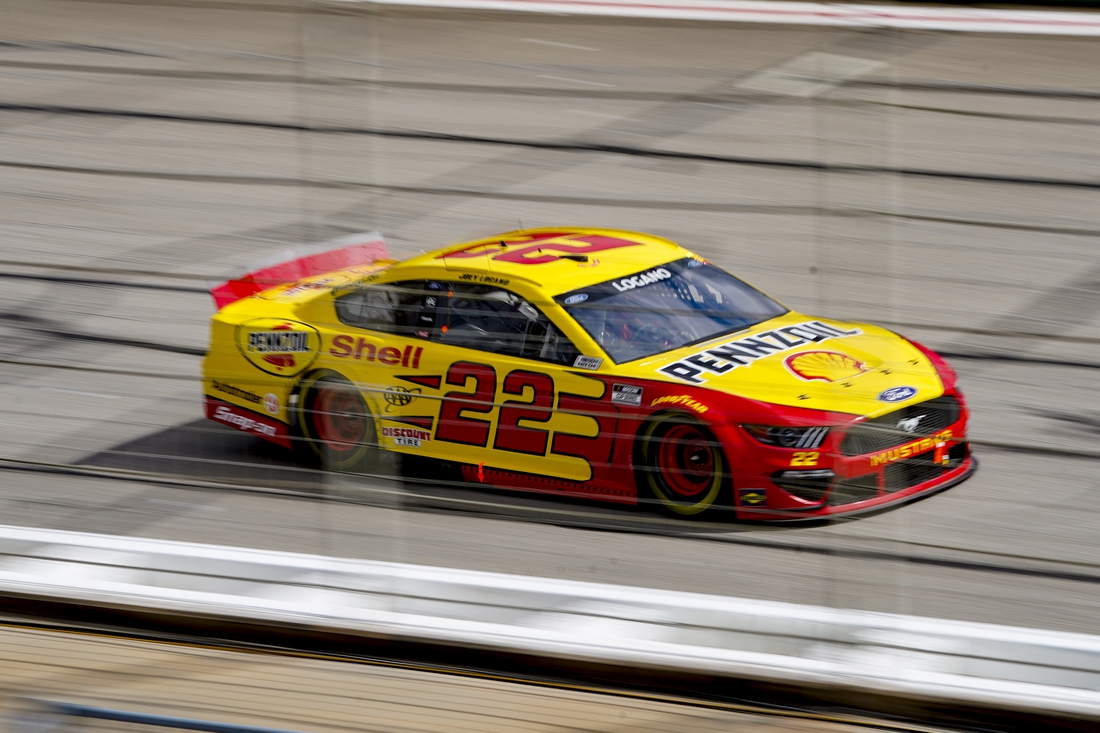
491, 319
405, 308
482, 317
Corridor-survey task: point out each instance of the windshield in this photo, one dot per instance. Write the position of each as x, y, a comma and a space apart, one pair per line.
664, 308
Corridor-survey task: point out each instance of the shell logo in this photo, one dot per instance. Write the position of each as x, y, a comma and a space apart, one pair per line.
828, 366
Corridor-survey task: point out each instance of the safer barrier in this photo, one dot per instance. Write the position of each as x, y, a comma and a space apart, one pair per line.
845, 15
561, 623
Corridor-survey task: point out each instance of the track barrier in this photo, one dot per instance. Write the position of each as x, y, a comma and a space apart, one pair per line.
558, 627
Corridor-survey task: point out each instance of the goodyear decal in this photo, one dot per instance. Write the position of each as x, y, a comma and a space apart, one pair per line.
909, 450
278, 346
680, 399
726, 357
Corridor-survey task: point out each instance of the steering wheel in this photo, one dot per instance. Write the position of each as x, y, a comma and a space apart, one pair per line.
652, 333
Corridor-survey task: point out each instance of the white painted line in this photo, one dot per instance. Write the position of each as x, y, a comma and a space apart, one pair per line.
808, 75
65, 390
187, 505
562, 45
969, 20
575, 81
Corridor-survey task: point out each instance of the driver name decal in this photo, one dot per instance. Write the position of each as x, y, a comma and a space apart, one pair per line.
725, 357
637, 281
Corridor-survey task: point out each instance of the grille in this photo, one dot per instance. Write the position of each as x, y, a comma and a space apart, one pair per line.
903, 474
883, 432
861, 488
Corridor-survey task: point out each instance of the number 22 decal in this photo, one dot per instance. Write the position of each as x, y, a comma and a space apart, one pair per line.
465, 416
457, 416
805, 458
454, 425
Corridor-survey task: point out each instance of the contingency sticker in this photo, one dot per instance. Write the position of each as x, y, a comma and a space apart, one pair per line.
592, 363
627, 394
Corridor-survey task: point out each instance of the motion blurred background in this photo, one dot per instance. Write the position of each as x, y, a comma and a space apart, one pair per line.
940, 184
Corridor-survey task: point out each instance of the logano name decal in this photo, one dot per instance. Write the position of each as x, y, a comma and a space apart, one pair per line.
639, 281
348, 347
721, 359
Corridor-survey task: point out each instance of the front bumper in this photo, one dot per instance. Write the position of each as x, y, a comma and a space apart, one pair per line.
785, 485
824, 510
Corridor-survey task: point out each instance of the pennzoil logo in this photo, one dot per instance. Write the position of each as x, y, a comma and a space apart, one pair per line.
718, 360
278, 346
827, 366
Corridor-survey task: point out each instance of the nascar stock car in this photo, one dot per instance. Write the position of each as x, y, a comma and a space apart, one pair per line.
585, 362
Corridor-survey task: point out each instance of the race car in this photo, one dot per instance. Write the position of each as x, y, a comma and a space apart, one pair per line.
589, 363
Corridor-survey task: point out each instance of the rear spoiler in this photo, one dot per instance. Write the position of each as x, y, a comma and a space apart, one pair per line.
301, 262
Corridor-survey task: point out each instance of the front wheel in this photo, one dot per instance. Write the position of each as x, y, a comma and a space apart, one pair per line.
336, 422
681, 465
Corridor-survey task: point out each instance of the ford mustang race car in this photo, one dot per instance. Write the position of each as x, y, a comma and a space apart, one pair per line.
584, 362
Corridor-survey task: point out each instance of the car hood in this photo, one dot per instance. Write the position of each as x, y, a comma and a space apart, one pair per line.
802, 361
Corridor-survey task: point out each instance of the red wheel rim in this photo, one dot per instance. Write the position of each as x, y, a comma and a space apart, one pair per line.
339, 418
686, 461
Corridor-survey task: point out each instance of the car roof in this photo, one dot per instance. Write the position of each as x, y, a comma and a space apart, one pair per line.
557, 259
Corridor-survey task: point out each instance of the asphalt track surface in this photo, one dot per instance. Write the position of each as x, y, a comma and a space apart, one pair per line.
941, 184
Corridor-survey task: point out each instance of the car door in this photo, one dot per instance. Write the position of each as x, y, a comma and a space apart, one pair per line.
500, 379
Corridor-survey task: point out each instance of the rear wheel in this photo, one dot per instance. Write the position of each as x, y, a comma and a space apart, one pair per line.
681, 465
336, 422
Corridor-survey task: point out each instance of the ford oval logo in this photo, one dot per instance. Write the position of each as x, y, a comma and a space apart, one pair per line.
896, 394
578, 298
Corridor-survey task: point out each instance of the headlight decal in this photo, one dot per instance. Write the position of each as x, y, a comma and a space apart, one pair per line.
788, 437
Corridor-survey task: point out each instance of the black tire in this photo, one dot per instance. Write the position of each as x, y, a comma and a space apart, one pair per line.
681, 467
335, 422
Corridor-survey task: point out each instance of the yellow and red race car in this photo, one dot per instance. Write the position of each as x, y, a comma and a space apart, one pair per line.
585, 362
